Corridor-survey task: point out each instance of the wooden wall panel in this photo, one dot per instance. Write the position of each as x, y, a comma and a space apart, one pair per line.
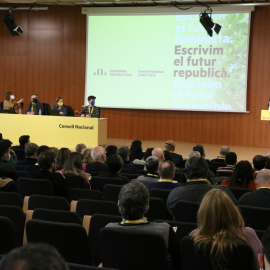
49, 58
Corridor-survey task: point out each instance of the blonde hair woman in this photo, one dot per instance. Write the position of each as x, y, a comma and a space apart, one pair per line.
87, 158
221, 225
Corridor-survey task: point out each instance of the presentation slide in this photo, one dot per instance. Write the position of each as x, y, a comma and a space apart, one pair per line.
168, 62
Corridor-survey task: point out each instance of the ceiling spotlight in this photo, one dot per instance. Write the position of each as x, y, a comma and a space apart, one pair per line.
13, 28
207, 22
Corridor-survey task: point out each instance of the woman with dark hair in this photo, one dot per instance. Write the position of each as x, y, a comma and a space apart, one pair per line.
110, 150
242, 176
61, 158
135, 150
60, 106
142, 161
73, 172
221, 226
10, 103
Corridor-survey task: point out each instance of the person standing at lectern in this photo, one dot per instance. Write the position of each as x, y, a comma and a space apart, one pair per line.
10, 103
35, 107
90, 110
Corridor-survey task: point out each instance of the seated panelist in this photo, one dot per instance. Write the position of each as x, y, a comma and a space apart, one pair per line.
60, 106
35, 107
10, 103
90, 110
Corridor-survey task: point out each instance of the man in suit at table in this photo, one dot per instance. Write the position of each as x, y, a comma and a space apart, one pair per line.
90, 110
35, 107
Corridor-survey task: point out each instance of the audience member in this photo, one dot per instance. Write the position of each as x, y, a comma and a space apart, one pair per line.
31, 155
55, 150
115, 164
264, 258
79, 147
42, 148
133, 203
267, 162
230, 160
136, 150
86, 152
261, 196
197, 184
20, 149
166, 174
35, 107
6, 169
167, 155
221, 225
62, 157
224, 150
147, 154
123, 151
73, 167
63, 111
242, 176
33, 257
110, 150
152, 169
259, 162
158, 152
200, 149
46, 161
176, 158
98, 165
90, 110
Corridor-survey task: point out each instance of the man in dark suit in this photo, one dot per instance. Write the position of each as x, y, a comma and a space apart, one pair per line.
261, 196
35, 107
98, 165
176, 158
197, 184
31, 155
90, 110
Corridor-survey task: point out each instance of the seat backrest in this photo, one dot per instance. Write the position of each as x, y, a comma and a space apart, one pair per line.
74, 194
48, 202
130, 175
157, 209
193, 259
10, 198
186, 211
56, 216
160, 193
17, 216
183, 228
7, 235
98, 182
130, 250
70, 111
255, 217
46, 109
111, 192
70, 239
91, 207
97, 222
29, 186
238, 192
1, 105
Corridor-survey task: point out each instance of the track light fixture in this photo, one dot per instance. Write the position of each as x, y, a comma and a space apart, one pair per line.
207, 22
13, 28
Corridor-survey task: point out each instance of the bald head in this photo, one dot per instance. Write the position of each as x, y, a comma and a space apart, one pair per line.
224, 150
170, 146
166, 170
263, 178
158, 152
98, 154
